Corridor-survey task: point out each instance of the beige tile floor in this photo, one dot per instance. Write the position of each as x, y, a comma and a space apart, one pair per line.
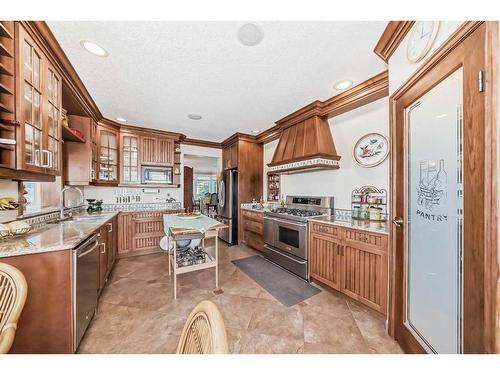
137, 313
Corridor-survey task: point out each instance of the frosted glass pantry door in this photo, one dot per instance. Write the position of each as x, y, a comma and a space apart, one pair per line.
434, 217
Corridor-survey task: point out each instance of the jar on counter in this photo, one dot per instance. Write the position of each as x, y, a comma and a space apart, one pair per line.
375, 213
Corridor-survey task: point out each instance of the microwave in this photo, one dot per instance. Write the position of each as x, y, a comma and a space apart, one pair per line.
157, 175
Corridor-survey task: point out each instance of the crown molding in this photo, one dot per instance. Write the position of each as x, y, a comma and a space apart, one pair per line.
201, 143
366, 92
390, 39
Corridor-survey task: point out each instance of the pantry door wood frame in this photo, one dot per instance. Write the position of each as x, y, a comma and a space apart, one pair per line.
480, 171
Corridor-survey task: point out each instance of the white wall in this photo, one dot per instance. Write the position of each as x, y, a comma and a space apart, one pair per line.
400, 69
346, 130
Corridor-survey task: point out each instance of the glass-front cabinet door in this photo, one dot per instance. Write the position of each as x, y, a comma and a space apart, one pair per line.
107, 155
130, 159
53, 138
30, 105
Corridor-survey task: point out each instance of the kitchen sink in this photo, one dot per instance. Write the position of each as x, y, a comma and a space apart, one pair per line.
70, 219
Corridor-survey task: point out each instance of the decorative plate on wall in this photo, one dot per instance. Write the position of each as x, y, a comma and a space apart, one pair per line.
371, 150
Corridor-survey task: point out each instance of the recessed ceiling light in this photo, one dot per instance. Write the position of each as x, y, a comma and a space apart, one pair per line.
342, 85
255, 131
121, 119
194, 116
443, 115
250, 34
93, 48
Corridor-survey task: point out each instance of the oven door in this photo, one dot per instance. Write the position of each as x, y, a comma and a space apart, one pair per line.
291, 237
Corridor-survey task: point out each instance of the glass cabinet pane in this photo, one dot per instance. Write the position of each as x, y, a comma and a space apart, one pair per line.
37, 114
27, 62
36, 71
28, 103
28, 144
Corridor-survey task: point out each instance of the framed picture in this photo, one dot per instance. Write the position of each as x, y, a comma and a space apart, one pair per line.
371, 150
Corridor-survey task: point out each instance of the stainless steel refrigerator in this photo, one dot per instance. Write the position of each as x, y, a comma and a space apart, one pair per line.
227, 211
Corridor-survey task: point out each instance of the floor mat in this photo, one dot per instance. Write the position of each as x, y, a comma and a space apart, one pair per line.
282, 285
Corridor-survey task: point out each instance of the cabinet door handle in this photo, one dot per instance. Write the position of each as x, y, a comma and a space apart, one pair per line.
110, 227
46, 165
104, 248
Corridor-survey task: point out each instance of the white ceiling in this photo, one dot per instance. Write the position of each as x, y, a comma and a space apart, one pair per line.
159, 72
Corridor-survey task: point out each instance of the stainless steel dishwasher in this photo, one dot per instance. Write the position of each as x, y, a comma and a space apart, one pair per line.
85, 278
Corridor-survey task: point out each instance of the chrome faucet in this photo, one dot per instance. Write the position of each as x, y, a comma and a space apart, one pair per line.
61, 199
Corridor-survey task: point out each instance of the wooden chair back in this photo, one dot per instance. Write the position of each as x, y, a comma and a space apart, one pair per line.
204, 331
13, 292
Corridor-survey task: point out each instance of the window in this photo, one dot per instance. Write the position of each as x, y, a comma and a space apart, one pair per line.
204, 184
41, 196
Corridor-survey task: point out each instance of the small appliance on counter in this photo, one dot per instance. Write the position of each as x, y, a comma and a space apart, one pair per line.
95, 205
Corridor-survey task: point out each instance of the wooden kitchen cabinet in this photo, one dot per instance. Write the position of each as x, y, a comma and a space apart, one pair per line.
80, 158
351, 261
130, 163
253, 229
46, 322
325, 260
230, 156
157, 151
107, 242
39, 90
139, 233
108, 168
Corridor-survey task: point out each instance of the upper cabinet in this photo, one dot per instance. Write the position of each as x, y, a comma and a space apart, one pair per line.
80, 158
131, 170
108, 155
230, 156
157, 151
39, 109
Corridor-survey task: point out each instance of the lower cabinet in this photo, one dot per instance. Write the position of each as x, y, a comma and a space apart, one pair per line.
253, 229
107, 243
139, 233
351, 261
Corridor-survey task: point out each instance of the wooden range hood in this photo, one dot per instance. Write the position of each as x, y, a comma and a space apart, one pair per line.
304, 146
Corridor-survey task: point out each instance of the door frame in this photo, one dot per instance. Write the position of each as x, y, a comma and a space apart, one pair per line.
489, 267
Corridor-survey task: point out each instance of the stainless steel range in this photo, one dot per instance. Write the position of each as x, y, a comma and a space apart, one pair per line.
285, 231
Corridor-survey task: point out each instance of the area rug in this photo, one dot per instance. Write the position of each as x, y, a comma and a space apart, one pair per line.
282, 285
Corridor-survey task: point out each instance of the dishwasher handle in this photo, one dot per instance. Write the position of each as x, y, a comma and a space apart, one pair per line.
88, 251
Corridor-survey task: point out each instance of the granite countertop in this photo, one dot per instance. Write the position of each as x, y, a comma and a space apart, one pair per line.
371, 226
56, 236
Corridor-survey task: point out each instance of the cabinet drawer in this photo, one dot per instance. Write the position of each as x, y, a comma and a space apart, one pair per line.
252, 215
142, 243
148, 227
253, 226
253, 240
147, 215
331, 230
377, 240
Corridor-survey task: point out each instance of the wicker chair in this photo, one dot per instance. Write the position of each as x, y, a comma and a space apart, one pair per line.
204, 331
13, 291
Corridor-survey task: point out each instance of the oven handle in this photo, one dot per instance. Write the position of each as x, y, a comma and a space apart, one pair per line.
295, 224
286, 256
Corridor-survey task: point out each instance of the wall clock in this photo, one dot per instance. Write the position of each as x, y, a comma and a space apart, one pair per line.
371, 150
421, 38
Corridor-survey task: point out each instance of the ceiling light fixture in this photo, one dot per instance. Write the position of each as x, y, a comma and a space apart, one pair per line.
250, 34
121, 119
93, 48
194, 116
255, 131
342, 85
